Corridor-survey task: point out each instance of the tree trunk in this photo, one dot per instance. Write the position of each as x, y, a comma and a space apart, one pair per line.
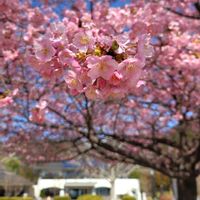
187, 189
112, 192
112, 182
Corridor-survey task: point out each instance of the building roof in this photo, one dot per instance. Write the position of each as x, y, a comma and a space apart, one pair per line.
56, 166
8, 178
59, 169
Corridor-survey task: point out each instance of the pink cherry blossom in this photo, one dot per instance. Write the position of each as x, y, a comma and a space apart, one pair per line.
112, 93
6, 101
65, 55
44, 51
83, 41
101, 67
116, 78
131, 68
92, 93
74, 65
38, 113
144, 50
72, 81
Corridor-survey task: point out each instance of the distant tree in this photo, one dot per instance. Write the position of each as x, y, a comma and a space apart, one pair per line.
162, 183
15, 165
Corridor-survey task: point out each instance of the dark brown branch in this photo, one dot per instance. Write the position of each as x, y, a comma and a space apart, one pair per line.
183, 15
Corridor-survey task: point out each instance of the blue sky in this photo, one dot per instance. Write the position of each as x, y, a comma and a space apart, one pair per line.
116, 3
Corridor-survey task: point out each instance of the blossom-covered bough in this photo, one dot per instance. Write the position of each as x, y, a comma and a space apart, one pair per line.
102, 87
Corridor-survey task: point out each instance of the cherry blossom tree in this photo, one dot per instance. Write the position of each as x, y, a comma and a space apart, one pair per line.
103, 87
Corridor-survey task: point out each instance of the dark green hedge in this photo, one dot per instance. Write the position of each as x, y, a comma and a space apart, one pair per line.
16, 198
89, 197
127, 197
62, 198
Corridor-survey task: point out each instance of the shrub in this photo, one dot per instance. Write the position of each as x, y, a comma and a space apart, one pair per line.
128, 197
62, 198
42, 194
16, 198
89, 197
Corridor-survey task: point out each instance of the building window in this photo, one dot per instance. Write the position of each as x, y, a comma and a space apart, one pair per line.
103, 191
76, 192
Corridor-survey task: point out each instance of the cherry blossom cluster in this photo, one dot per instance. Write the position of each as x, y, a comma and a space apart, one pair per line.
92, 59
9, 20
6, 98
19, 24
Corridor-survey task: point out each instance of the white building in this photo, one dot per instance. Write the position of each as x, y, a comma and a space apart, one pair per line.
76, 187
